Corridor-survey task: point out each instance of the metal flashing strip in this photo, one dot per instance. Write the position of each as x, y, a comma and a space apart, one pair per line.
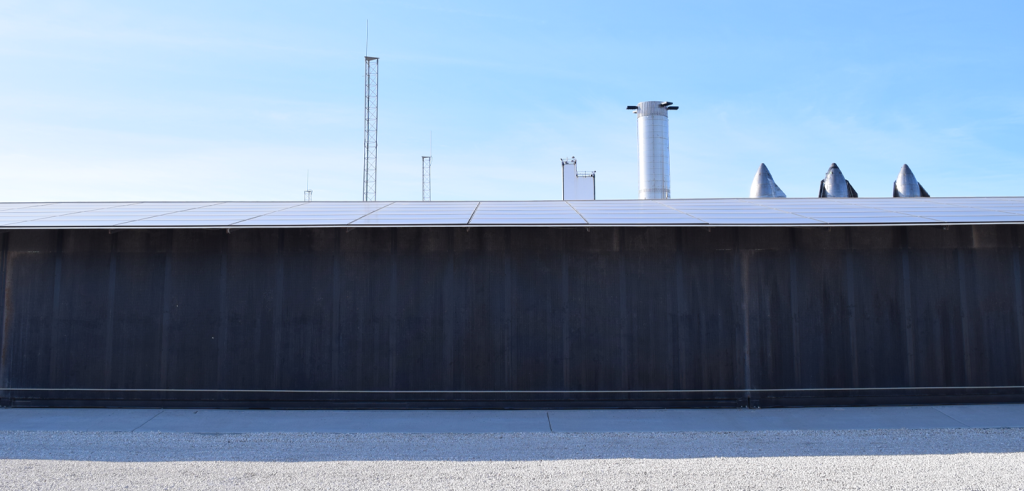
727, 212
513, 391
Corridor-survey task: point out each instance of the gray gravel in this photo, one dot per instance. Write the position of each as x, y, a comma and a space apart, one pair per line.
902, 459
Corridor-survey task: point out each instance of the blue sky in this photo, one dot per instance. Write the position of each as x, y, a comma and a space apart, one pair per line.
182, 100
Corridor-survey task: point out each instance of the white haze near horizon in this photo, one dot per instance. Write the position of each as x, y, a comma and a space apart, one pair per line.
188, 100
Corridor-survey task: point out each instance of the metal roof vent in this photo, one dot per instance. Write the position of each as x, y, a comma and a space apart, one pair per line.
906, 185
652, 133
834, 185
764, 186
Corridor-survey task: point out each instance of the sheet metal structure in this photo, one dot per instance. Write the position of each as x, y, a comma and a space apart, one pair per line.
425, 160
652, 149
626, 213
577, 185
383, 312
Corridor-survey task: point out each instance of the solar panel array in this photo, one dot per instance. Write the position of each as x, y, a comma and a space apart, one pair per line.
682, 212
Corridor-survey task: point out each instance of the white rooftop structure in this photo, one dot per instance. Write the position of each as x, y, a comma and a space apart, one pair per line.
684, 212
577, 185
652, 148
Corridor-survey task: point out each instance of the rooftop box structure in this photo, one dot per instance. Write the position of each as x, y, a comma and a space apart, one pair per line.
577, 185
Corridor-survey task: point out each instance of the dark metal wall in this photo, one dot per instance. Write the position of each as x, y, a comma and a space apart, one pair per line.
504, 317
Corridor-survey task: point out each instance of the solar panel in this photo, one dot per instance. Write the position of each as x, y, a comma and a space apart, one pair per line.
422, 213
212, 215
316, 214
526, 213
698, 212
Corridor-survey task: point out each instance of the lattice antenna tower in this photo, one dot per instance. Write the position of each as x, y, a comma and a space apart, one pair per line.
426, 169
370, 126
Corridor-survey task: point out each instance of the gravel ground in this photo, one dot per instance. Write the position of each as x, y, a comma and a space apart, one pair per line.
902, 459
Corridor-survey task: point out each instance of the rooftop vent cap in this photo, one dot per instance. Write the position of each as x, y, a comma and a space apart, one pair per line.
835, 185
764, 185
906, 185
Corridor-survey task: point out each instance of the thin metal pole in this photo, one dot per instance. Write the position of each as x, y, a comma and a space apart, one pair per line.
308, 194
427, 160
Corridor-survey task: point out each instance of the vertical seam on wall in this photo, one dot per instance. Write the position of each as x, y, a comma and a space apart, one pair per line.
908, 317
566, 312
358, 325
222, 329
767, 318
448, 311
682, 309
54, 331
624, 318
851, 317
108, 356
794, 312
1019, 311
745, 284
336, 309
964, 332
671, 314
510, 378
278, 319
5, 333
392, 315
165, 322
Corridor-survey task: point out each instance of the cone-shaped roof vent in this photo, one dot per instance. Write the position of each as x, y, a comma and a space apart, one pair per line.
906, 185
764, 186
835, 185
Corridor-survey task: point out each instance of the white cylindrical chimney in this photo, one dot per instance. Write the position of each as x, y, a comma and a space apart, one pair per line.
652, 133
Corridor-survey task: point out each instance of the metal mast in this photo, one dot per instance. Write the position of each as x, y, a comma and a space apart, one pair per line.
426, 178
426, 169
308, 194
370, 132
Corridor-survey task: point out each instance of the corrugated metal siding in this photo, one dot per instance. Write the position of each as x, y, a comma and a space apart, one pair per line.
512, 309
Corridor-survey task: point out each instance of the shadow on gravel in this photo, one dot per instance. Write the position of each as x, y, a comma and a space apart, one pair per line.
305, 447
